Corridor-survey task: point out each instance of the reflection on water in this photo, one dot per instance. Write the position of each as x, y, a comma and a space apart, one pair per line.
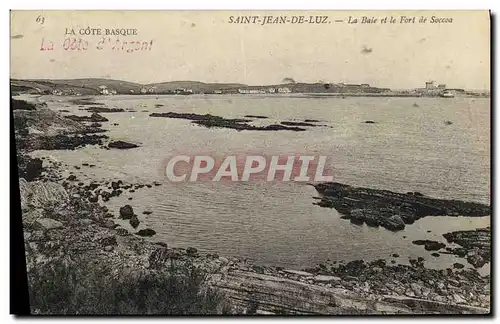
407, 149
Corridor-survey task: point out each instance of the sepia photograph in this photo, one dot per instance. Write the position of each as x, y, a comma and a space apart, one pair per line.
250, 163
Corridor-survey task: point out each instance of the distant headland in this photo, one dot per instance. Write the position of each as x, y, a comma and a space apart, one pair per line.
99, 86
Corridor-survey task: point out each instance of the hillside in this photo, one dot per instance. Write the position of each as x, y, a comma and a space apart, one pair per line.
195, 86
83, 86
118, 85
91, 86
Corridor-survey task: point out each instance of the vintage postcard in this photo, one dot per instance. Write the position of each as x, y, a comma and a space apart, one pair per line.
253, 162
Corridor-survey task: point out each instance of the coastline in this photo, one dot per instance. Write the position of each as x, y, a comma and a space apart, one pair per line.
84, 226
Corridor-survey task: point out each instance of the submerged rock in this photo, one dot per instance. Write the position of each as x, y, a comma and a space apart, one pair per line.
430, 245
146, 232
122, 145
256, 116
290, 123
104, 110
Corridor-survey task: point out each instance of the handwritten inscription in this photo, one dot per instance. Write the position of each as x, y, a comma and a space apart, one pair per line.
104, 43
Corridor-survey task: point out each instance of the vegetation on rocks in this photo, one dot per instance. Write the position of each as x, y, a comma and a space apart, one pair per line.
86, 288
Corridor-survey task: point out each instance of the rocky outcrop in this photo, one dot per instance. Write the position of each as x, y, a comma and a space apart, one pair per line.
146, 232
29, 168
104, 110
59, 142
38, 194
257, 293
21, 105
134, 221
47, 224
256, 116
430, 245
291, 123
95, 118
122, 145
126, 212
475, 245
389, 209
209, 121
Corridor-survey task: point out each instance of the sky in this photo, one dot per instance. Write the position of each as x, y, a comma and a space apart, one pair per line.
205, 46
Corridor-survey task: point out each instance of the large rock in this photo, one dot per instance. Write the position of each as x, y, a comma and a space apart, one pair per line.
96, 118
122, 145
393, 223
29, 168
47, 224
298, 273
326, 279
134, 221
146, 232
41, 194
126, 212
430, 245
191, 251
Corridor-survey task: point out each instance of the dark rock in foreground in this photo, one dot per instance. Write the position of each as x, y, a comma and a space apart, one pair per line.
475, 245
146, 232
134, 221
126, 212
191, 251
122, 145
29, 168
389, 209
95, 118
21, 105
430, 245
58, 142
209, 121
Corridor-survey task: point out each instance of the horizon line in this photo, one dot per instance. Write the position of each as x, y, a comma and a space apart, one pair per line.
244, 84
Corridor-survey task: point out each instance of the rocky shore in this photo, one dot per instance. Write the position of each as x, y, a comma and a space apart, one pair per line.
66, 220
388, 209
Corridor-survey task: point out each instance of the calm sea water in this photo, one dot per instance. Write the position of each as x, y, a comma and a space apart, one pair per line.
410, 148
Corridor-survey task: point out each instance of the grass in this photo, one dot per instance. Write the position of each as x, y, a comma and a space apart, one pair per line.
64, 288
